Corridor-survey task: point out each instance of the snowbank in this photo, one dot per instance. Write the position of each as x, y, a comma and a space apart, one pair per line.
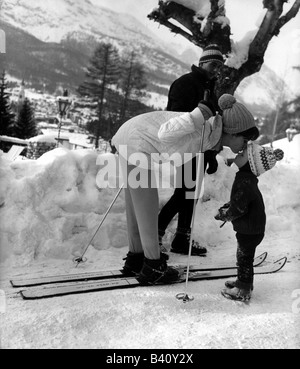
51, 206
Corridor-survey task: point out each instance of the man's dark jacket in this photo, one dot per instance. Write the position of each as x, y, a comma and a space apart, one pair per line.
188, 90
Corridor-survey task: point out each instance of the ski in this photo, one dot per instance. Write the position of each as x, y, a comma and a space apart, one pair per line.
130, 282
112, 274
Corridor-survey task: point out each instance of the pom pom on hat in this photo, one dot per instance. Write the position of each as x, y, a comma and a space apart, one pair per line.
262, 159
236, 117
227, 101
279, 154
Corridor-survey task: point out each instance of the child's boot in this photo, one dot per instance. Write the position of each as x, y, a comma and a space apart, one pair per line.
237, 294
232, 284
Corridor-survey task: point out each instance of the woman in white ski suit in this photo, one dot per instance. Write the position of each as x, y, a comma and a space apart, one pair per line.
146, 137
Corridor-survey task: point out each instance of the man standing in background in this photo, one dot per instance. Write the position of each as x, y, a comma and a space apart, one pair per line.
184, 96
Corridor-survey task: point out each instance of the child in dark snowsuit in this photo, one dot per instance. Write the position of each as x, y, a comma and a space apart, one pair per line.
246, 211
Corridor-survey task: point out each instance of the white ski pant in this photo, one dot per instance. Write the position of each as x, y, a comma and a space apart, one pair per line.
142, 208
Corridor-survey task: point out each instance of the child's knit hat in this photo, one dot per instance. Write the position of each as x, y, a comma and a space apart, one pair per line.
261, 158
211, 53
236, 117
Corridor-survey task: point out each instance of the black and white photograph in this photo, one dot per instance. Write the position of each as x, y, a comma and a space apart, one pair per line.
149, 177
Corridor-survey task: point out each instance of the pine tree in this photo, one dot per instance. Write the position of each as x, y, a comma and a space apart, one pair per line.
25, 126
6, 115
102, 73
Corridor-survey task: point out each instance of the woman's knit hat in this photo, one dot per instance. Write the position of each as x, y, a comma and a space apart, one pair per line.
261, 158
211, 53
236, 117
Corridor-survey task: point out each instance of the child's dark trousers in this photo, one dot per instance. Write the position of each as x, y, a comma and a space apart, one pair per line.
247, 245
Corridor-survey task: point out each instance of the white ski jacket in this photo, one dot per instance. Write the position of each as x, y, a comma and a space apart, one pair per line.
166, 133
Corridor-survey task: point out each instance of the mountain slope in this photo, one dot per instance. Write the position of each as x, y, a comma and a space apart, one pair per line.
56, 20
263, 91
39, 62
50, 20
78, 26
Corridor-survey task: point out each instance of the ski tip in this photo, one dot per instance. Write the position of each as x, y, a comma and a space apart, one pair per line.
258, 261
23, 296
27, 296
263, 256
15, 284
281, 262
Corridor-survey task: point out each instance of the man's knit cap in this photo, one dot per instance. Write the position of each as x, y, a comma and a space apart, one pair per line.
211, 53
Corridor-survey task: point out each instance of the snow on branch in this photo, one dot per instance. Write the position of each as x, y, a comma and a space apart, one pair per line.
201, 28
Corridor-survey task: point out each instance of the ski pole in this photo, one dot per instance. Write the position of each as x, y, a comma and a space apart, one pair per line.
200, 177
81, 259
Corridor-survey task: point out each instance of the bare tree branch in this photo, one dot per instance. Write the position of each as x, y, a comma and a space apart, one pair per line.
212, 32
266, 30
289, 15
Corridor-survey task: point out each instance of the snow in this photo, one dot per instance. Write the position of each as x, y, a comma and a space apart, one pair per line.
156, 100
13, 140
53, 20
50, 208
44, 138
240, 49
